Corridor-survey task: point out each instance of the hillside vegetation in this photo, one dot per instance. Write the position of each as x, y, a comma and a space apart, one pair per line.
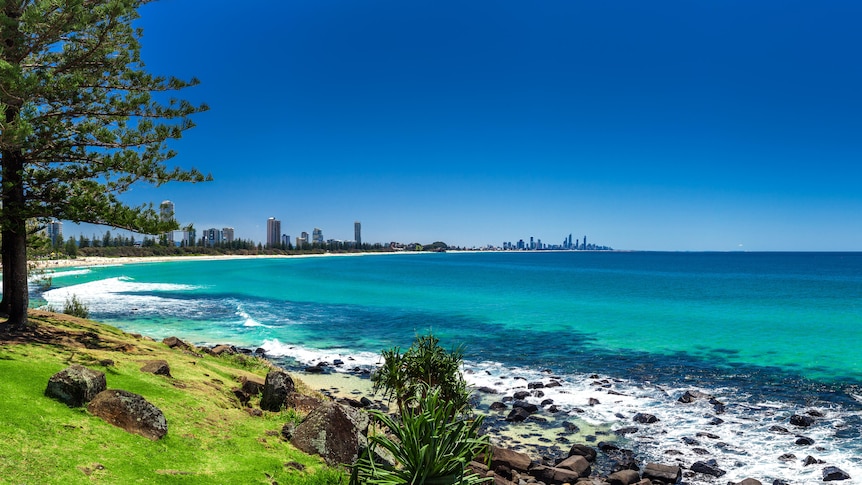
211, 438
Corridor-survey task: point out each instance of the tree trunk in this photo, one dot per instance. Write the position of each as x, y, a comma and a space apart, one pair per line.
16, 294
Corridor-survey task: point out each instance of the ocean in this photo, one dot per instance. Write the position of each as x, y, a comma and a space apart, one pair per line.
767, 334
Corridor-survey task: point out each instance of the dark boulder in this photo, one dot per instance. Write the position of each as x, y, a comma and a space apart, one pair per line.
174, 343
536, 385
130, 412
521, 395
158, 367
692, 396
276, 387
76, 385
505, 461
585, 451
497, 406
645, 418
666, 474
709, 467
593, 401
810, 460
801, 420
626, 430
335, 432
804, 441
570, 427
517, 415
577, 464
553, 476
779, 429
832, 473
223, 350
624, 477
487, 390
787, 457
749, 481
252, 385
529, 407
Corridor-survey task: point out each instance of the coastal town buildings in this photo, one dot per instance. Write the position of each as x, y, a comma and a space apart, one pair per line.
273, 232
227, 235
317, 236
166, 213
54, 232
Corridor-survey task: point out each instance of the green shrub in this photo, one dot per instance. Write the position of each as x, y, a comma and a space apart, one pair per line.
76, 307
429, 444
425, 366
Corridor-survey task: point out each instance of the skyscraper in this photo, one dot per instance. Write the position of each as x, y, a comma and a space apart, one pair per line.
317, 235
357, 233
273, 232
227, 234
54, 231
166, 213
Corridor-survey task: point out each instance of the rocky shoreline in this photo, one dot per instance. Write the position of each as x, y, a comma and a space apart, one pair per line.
604, 456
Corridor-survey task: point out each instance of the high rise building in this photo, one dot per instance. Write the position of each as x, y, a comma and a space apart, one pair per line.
317, 236
190, 237
357, 233
585, 243
285, 240
273, 232
227, 234
212, 237
54, 231
166, 213
304, 238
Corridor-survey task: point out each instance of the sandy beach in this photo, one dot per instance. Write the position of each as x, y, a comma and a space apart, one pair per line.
87, 261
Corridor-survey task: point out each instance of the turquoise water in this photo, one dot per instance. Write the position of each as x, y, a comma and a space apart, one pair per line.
779, 330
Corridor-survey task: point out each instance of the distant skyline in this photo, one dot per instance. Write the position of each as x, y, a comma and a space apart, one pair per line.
716, 125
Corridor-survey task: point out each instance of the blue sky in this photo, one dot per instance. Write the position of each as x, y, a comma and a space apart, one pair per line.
709, 125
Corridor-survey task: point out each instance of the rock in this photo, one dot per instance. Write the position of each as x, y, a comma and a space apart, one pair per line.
585, 451
158, 367
715, 421
709, 467
815, 413
832, 473
779, 429
692, 396
288, 430
130, 412
711, 436
810, 460
530, 408
535, 385
593, 401
487, 390
338, 362
517, 415
626, 430
76, 385
223, 349
315, 369
624, 477
497, 406
546, 402
276, 387
787, 457
174, 342
551, 475
662, 473
252, 385
553, 384
506, 460
335, 432
804, 441
749, 481
577, 464
570, 427
645, 418
301, 402
801, 421
521, 395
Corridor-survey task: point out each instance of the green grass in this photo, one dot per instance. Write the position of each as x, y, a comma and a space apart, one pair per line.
210, 438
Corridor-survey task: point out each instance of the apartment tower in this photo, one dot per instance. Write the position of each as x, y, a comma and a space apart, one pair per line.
273, 232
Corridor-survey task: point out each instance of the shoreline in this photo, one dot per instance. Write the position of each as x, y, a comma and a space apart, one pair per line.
89, 261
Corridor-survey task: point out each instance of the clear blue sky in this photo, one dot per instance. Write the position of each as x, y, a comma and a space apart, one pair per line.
675, 125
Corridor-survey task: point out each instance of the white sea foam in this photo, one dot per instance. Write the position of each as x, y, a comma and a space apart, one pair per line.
247, 319
308, 356
122, 294
745, 447
71, 272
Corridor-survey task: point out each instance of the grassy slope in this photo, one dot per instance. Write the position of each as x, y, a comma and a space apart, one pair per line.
210, 438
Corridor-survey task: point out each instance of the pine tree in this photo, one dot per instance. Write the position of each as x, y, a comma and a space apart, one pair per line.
79, 125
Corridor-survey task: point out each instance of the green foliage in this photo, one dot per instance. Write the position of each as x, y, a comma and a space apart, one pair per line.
76, 307
425, 366
429, 446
